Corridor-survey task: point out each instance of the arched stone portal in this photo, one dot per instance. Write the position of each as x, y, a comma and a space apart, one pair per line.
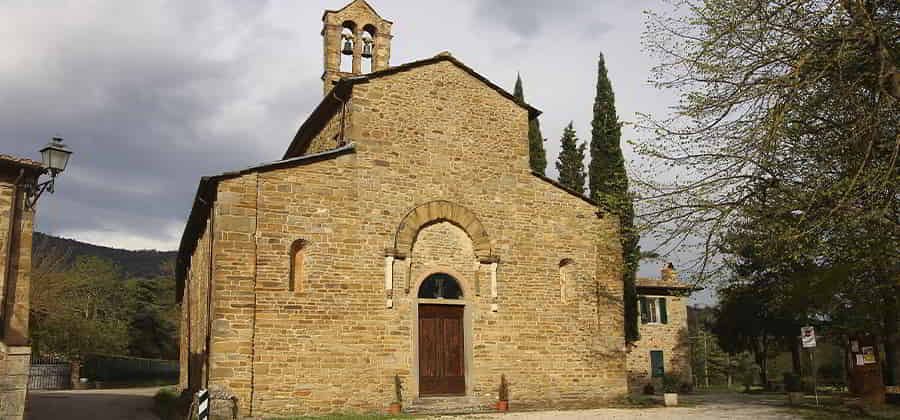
436, 211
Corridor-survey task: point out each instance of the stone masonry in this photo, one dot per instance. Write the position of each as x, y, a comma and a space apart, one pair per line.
410, 171
671, 338
16, 226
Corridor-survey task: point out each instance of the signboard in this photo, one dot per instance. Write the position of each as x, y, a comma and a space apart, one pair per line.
808, 337
203, 404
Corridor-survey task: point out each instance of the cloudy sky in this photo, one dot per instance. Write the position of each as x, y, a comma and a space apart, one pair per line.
153, 94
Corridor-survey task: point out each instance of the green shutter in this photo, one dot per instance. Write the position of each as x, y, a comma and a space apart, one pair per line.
657, 369
645, 311
663, 313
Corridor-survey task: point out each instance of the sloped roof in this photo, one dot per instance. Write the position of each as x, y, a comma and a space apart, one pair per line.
364, 2
330, 104
20, 162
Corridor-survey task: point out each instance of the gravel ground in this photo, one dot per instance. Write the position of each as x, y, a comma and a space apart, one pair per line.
705, 407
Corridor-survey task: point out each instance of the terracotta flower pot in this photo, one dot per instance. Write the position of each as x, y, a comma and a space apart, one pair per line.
503, 406
396, 408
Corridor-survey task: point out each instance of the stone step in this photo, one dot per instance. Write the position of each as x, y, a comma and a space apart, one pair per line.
449, 405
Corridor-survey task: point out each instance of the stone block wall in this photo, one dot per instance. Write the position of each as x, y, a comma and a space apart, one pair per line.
672, 338
14, 366
15, 354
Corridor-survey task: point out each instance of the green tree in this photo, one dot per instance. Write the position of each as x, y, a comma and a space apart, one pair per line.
608, 182
784, 98
154, 325
537, 156
81, 311
571, 161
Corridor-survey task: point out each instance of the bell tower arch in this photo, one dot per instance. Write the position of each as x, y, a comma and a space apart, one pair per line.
355, 33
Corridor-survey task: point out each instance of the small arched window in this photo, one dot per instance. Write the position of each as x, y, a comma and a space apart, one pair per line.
440, 286
566, 279
298, 265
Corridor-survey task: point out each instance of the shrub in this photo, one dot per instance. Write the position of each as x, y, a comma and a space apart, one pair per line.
686, 388
170, 405
649, 390
671, 384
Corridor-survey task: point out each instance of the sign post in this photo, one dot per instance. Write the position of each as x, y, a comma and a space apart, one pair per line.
808, 341
203, 404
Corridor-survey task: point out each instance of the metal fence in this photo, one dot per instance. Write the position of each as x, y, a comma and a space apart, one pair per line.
129, 369
49, 373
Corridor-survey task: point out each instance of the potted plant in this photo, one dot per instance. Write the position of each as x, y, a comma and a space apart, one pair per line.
670, 390
794, 388
397, 405
503, 395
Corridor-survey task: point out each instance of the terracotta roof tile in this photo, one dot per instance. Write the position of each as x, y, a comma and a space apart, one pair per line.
17, 161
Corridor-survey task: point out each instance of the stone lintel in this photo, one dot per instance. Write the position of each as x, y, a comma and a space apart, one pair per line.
492, 259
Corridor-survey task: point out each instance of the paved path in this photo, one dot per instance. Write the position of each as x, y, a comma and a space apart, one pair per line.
99, 404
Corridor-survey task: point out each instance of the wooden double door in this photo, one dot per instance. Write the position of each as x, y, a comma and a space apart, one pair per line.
442, 368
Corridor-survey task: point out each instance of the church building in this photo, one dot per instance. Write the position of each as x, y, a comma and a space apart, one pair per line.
402, 235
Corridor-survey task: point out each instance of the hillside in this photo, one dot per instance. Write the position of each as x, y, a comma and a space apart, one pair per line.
145, 264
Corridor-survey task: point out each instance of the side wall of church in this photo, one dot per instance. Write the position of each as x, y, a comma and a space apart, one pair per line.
670, 338
195, 317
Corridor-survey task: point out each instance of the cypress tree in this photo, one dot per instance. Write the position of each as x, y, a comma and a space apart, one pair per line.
537, 156
609, 187
571, 161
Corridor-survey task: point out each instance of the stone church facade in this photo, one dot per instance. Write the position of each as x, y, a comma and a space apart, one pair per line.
403, 233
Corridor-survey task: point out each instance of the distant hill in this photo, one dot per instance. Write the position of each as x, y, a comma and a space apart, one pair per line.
146, 264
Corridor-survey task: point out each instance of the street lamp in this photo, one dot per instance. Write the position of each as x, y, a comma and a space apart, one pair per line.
55, 157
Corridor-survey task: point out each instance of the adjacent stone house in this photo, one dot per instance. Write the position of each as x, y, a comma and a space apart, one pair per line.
402, 233
664, 347
16, 226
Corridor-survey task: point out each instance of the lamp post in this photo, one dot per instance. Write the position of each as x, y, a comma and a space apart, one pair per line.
55, 157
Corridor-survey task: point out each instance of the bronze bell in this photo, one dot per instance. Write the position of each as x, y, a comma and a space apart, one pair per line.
367, 49
348, 47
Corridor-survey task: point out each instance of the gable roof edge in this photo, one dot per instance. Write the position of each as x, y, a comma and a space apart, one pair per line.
206, 196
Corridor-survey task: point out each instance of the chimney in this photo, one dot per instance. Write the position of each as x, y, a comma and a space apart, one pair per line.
669, 275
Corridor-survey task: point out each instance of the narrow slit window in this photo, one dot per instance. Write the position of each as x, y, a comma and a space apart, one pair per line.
566, 279
298, 265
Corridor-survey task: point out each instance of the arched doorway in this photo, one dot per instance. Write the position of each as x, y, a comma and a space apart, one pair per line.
442, 338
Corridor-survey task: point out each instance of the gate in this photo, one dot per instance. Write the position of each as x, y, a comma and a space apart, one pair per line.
49, 373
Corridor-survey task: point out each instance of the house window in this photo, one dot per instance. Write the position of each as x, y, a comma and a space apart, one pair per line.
657, 367
298, 265
653, 310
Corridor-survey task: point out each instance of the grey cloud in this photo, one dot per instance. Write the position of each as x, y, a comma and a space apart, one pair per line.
529, 18
142, 114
